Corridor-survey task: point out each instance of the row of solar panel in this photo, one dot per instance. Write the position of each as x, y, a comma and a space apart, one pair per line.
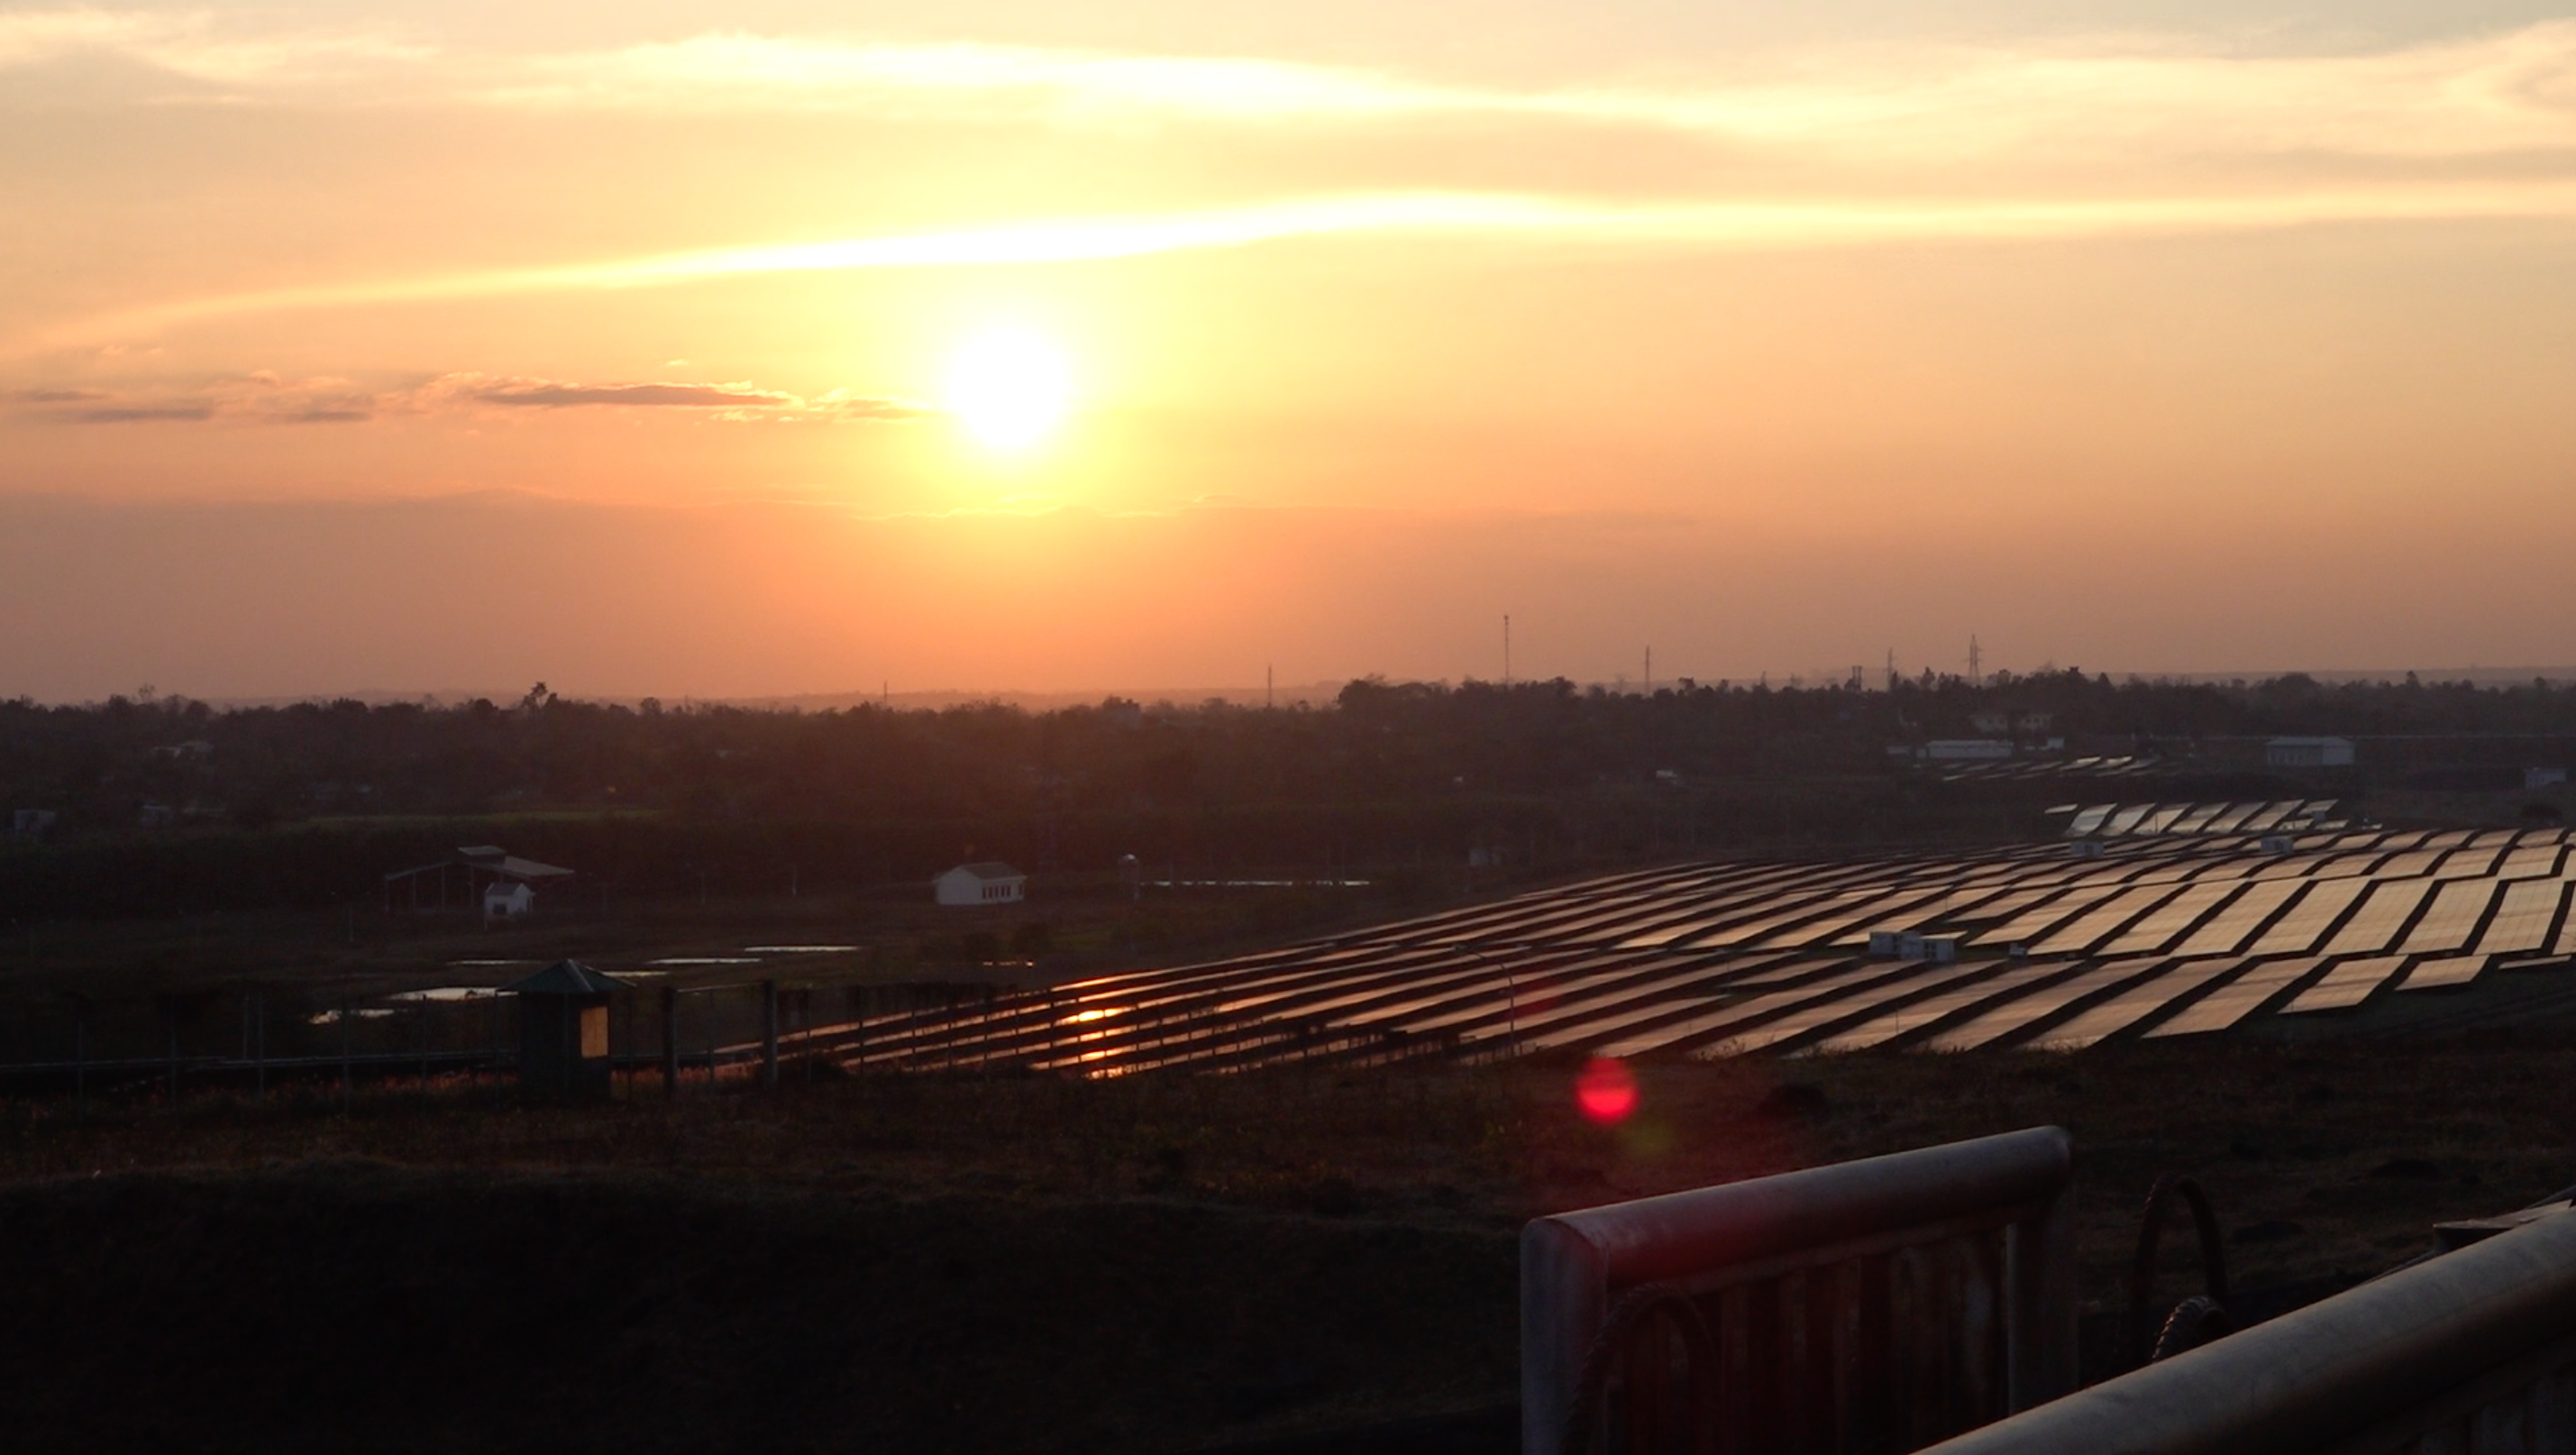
2111, 820
2023, 769
1658, 1005
2160, 937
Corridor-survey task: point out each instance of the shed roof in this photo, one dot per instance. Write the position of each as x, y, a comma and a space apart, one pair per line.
990, 869
566, 977
509, 866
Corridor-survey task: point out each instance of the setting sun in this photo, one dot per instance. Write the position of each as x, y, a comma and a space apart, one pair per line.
1010, 388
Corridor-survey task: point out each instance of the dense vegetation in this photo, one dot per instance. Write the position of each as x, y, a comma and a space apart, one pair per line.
161, 804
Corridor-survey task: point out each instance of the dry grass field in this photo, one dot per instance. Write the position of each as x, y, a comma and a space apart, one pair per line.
1164, 1262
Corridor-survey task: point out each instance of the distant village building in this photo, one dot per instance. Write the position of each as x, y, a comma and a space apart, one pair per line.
2308, 753
156, 815
1967, 750
1996, 722
507, 899
195, 750
481, 869
988, 883
2543, 777
31, 823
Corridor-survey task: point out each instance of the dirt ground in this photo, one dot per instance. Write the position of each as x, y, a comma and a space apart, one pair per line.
1164, 1263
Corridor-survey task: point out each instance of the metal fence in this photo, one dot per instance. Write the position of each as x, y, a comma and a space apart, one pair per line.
2469, 1353
1879, 1305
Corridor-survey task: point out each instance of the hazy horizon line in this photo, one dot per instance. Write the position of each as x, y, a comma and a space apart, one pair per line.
1321, 691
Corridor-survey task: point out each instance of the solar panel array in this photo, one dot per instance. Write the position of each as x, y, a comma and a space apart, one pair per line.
2156, 936
2117, 820
2016, 770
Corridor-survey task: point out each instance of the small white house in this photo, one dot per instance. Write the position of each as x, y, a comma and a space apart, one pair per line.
507, 899
2308, 753
970, 885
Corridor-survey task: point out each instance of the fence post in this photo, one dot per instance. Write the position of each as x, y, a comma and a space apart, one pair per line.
670, 1042
769, 1034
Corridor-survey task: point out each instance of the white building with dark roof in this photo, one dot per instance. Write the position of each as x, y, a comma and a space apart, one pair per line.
990, 883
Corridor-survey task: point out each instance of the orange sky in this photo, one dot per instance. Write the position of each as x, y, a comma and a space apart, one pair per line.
382, 346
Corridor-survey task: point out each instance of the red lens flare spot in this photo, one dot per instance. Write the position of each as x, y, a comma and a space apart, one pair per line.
1606, 1091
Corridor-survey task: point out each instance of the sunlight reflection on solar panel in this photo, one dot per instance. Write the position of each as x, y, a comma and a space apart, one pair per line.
2080, 933
1761, 1006
2237, 999
1914, 1016
1596, 965
2375, 923
2454, 913
1999, 1021
2138, 1002
2317, 907
2152, 931
2523, 919
2348, 984
2445, 973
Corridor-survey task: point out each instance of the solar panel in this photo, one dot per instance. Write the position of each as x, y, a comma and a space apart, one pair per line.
2227, 931
1881, 1029
2138, 1002
2009, 1018
2346, 985
2308, 919
2238, 998
2452, 916
2448, 973
2524, 917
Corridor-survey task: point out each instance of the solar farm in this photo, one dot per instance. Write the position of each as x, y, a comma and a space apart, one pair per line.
2147, 921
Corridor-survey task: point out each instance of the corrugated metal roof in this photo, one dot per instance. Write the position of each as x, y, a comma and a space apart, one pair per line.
992, 869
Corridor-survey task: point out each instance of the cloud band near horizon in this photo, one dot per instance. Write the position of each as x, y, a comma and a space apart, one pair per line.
1714, 226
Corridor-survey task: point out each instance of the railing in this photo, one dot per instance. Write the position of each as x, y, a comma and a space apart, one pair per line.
2471, 1352
1879, 1305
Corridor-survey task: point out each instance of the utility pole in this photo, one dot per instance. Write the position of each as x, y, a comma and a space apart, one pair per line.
1976, 660
1269, 687
1891, 669
1650, 671
1507, 649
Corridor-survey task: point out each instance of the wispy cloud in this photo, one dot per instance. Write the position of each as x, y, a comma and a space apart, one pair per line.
2125, 97
197, 47
1533, 219
2102, 138
548, 394
734, 401
2508, 91
265, 398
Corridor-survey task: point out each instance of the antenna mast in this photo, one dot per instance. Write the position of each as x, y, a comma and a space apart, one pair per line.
1976, 659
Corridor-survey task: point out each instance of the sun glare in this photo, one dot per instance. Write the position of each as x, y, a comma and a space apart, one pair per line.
1010, 388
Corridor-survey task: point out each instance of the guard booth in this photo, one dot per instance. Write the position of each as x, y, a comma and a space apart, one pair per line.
563, 1032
